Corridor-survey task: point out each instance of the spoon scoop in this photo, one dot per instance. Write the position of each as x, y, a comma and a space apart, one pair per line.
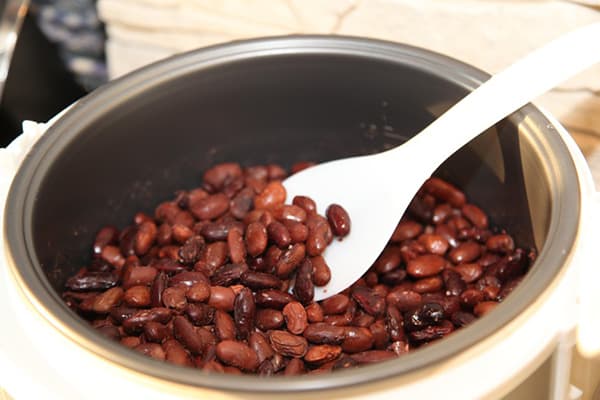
377, 189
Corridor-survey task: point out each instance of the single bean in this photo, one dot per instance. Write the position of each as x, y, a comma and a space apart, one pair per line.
272, 298
288, 344
137, 296
323, 333
321, 274
298, 231
105, 236
268, 318
105, 301
210, 207
405, 230
445, 191
225, 327
272, 196
176, 354
425, 266
320, 354
338, 219
304, 289
279, 234
153, 350
336, 304
306, 203
295, 317
200, 314
244, 310
221, 298
156, 332
465, 253
475, 215
357, 339
501, 243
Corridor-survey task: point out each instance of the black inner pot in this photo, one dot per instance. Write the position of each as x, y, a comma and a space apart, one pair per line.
133, 143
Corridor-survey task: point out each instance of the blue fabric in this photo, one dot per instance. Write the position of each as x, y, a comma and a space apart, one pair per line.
74, 26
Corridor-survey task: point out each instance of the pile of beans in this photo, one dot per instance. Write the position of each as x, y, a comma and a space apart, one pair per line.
205, 282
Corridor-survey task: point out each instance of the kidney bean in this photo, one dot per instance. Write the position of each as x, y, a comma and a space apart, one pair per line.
174, 297
198, 292
259, 343
272, 196
108, 235
260, 280
164, 236
176, 354
421, 207
336, 304
471, 297
225, 327
237, 248
465, 253
255, 239
292, 213
306, 203
242, 203
289, 260
469, 272
380, 334
432, 332
369, 301
294, 367
428, 285
372, 356
304, 289
279, 234
92, 281
137, 296
210, 207
191, 250
181, 233
441, 213
475, 215
219, 174
222, 298
105, 301
399, 347
272, 298
447, 233
314, 313
388, 260
357, 339
427, 314
317, 239
188, 278
136, 321
320, 354
145, 237
406, 229
217, 231
297, 230
453, 282
200, 314
156, 332
445, 191
228, 274
287, 344
237, 354
244, 310
434, 244
321, 274
295, 317
490, 292
338, 219
324, 333
268, 318
502, 244
425, 266
113, 256
169, 252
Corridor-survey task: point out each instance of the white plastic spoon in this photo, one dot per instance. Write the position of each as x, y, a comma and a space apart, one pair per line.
377, 189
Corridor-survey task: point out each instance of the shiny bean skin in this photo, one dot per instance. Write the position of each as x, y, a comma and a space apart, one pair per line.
465, 253
210, 207
225, 327
272, 298
425, 266
445, 192
104, 302
298, 231
134, 276
336, 304
428, 285
137, 296
321, 354
273, 195
405, 230
289, 213
295, 317
306, 203
338, 219
217, 175
502, 244
176, 354
260, 344
237, 354
388, 260
256, 239
434, 244
288, 344
268, 319
469, 272
475, 215
244, 310
323, 333
357, 339
108, 235
237, 247
222, 298
321, 274
279, 234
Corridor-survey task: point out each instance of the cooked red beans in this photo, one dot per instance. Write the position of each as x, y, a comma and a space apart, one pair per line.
222, 278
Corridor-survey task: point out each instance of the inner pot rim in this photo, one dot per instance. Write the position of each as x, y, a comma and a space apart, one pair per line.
22, 197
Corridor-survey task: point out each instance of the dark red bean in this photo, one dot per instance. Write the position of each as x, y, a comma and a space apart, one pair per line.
242, 203
225, 327
425, 266
105, 301
428, 285
388, 260
434, 244
320, 354
292, 213
304, 289
469, 272
268, 318
153, 350
210, 207
369, 300
200, 314
144, 237
306, 203
105, 236
219, 174
135, 322
198, 292
181, 233
321, 274
92, 281
156, 332
357, 339
502, 244
244, 310
287, 344
372, 356
403, 299
453, 282
338, 219
273, 195
259, 343
475, 215
314, 313
405, 230
465, 253
298, 231
191, 250
445, 191
336, 304
295, 317
324, 333
222, 298
138, 296
279, 234
228, 274
256, 239
289, 260
272, 298
176, 353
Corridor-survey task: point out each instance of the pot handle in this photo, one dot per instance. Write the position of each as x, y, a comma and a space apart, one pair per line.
588, 296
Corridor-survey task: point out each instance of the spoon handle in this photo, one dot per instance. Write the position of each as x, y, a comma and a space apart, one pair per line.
506, 92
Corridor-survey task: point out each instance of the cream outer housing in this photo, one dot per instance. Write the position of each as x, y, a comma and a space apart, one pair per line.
39, 362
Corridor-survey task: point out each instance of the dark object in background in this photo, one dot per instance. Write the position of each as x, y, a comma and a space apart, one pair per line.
38, 85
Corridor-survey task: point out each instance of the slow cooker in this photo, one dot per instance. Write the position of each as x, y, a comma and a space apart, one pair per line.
135, 141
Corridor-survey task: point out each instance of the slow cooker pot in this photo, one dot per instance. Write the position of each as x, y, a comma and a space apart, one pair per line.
131, 144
